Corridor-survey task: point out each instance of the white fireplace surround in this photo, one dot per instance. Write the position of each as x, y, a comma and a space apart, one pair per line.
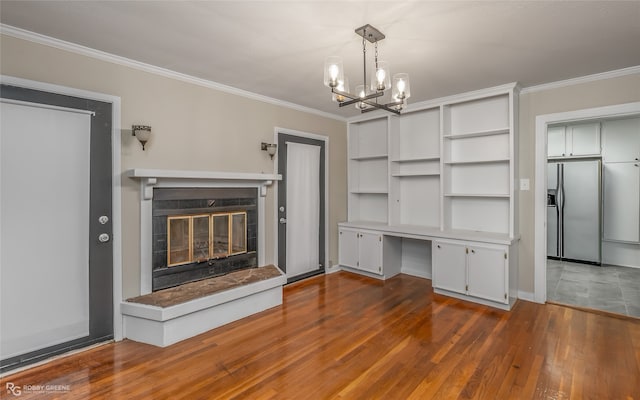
157, 178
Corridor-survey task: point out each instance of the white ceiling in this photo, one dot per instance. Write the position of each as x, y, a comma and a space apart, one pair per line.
277, 48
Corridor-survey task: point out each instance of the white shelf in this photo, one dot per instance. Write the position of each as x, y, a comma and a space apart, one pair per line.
368, 192
203, 175
501, 131
415, 174
497, 160
369, 157
417, 159
484, 195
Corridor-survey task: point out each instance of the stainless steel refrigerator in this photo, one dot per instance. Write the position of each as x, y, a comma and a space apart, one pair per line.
574, 210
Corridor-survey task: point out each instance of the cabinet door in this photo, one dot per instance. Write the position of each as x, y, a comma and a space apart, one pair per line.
449, 267
621, 140
555, 141
487, 273
583, 139
370, 252
622, 202
348, 248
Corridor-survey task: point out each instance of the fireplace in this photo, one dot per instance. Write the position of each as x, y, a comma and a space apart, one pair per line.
200, 233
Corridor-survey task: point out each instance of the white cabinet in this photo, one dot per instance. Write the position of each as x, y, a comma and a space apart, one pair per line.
348, 248
621, 140
360, 250
449, 266
574, 140
369, 251
487, 273
472, 269
621, 202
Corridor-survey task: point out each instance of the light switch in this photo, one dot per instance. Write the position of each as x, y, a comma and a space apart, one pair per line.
524, 184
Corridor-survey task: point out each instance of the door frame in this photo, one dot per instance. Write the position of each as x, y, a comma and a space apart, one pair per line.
307, 135
540, 170
116, 173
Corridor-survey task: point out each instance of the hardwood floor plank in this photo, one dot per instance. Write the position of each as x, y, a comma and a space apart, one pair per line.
346, 336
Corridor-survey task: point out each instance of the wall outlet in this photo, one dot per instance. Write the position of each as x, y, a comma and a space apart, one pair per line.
524, 184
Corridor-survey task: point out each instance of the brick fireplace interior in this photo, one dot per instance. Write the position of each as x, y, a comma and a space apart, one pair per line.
200, 233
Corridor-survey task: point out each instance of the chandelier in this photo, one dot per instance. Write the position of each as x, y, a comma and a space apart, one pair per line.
366, 96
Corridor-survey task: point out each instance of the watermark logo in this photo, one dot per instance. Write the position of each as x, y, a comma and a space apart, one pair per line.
17, 390
13, 389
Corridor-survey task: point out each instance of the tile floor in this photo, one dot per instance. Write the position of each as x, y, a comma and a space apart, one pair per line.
608, 288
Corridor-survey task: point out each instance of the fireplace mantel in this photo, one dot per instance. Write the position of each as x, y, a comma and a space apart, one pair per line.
150, 178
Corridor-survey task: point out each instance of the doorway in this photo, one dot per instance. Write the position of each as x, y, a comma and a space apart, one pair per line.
301, 204
562, 280
57, 228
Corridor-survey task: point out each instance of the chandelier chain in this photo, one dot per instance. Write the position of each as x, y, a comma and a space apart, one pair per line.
364, 64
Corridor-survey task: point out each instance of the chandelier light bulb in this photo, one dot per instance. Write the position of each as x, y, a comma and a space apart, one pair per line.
333, 72
361, 92
381, 79
342, 86
401, 89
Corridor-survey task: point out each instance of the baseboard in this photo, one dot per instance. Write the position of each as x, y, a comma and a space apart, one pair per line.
416, 272
332, 269
526, 296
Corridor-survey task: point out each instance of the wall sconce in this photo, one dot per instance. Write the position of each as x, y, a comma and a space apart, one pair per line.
142, 133
270, 148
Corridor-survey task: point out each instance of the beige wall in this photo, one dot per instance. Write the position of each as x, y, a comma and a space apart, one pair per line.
599, 93
194, 128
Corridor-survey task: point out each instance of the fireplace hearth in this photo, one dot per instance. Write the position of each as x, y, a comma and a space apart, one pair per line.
200, 233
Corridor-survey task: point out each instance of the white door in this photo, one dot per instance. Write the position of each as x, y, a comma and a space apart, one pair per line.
487, 269
556, 141
348, 248
370, 252
303, 208
584, 139
45, 226
55, 182
621, 140
449, 267
621, 215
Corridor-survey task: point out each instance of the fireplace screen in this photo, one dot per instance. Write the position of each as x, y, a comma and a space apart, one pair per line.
197, 238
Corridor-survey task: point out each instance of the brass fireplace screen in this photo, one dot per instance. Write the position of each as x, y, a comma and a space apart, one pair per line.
197, 238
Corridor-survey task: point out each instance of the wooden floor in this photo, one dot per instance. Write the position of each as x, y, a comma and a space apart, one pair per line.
344, 336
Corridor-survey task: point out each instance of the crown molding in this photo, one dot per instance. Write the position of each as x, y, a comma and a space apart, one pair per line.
582, 79
23, 34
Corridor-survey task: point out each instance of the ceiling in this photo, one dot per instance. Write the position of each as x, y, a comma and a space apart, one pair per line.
277, 48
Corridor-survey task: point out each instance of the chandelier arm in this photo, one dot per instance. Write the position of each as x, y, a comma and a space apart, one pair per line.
378, 106
354, 98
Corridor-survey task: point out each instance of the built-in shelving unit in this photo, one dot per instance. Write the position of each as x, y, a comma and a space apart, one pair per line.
368, 170
435, 188
477, 165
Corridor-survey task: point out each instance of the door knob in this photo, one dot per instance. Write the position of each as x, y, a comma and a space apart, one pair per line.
103, 219
103, 238
283, 220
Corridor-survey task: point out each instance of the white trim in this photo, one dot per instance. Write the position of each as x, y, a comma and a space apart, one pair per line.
47, 106
582, 79
116, 151
526, 296
540, 206
167, 73
314, 136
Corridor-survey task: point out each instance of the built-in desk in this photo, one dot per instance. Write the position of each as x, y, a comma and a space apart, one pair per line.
474, 266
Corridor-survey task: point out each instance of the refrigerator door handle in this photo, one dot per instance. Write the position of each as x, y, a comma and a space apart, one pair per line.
561, 210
